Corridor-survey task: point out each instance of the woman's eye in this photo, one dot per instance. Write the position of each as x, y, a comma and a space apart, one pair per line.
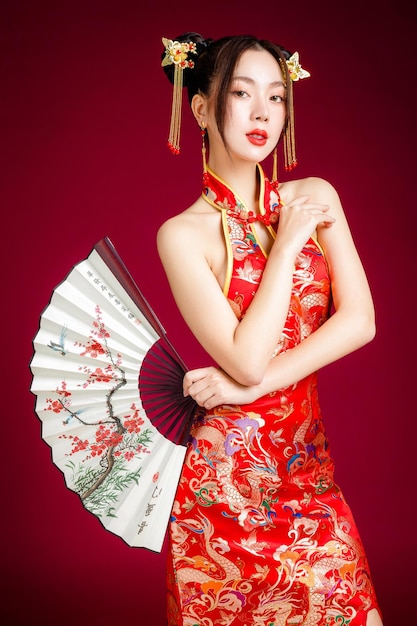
277, 98
240, 93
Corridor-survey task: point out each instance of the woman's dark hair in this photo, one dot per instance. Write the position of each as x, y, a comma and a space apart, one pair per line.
215, 63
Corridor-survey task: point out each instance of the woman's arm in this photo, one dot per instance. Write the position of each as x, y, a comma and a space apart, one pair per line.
210, 386
184, 247
351, 326
353, 323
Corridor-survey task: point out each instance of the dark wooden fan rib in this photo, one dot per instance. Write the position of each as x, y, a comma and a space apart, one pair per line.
160, 388
162, 369
110, 256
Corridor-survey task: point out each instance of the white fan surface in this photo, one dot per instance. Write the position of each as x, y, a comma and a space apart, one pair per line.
87, 357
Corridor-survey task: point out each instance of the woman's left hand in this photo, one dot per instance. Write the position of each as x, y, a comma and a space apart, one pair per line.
211, 386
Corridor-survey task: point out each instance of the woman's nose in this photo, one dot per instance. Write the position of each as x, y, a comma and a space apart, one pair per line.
260, 111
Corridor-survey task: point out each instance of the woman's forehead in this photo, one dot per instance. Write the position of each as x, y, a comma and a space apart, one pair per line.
258, 64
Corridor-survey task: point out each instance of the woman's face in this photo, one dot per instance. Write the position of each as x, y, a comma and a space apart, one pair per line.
256, 107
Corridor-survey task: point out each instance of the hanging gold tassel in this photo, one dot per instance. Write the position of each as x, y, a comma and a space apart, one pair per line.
175, 125
296, 72
290, 159
176, 53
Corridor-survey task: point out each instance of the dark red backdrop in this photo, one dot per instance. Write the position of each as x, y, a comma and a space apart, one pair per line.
85, 112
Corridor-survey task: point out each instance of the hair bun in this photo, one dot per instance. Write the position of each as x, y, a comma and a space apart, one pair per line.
200, 46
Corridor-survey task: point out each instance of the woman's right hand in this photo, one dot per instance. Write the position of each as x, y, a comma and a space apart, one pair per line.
211, 386
299, 219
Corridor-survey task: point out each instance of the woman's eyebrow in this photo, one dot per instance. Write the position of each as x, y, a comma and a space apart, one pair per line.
247, 79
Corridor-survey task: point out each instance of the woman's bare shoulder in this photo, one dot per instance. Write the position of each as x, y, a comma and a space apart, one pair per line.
188, 226
319, 189
184, 219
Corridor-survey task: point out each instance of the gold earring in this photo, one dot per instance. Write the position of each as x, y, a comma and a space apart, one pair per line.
274, 180
203, 147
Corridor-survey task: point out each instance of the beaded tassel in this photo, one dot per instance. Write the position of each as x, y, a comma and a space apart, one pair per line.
175, 125
295, 72
204, 152
177, 54
290, 159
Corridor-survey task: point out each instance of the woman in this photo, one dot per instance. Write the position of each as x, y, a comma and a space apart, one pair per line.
260, 534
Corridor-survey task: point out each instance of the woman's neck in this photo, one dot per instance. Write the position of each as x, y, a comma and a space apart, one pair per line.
242, 178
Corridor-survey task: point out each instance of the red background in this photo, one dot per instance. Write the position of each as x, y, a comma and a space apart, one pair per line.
84, 116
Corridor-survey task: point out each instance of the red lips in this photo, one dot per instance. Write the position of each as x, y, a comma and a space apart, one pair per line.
257, 137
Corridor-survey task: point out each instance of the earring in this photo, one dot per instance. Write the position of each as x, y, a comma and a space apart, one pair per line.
203, 148
274, 181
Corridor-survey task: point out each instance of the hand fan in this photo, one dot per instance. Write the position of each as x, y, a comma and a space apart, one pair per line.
108, 387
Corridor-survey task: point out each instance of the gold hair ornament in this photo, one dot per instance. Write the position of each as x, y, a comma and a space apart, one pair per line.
295, 69
296, 72
177, 53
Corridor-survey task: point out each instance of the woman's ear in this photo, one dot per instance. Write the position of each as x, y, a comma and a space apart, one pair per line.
199, 108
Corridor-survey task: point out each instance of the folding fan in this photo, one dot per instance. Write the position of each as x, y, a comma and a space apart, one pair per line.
108, 386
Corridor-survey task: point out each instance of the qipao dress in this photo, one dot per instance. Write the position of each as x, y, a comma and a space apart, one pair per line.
260, 535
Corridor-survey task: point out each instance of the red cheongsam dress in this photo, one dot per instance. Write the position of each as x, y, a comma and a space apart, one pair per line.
260, 535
